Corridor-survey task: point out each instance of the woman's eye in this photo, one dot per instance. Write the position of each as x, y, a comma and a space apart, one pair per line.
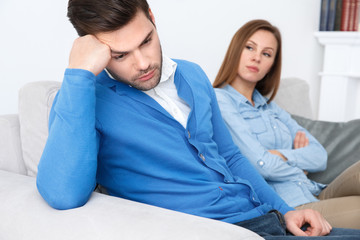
249, 48
267, 54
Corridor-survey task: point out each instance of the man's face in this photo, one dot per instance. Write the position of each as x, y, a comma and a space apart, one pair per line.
136, 57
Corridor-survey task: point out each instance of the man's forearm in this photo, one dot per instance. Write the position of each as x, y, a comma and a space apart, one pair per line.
67, 169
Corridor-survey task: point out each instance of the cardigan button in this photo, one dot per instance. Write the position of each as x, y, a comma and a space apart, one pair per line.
202, 157
189, 135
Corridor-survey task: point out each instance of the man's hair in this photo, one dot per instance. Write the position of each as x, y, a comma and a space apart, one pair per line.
229, 68
95, 16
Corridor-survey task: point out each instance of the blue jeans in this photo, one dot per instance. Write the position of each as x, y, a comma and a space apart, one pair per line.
272, 226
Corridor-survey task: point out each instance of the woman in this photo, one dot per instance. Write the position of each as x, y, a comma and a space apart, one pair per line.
281, 150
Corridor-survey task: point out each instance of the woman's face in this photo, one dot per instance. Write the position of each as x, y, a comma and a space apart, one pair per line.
257, 57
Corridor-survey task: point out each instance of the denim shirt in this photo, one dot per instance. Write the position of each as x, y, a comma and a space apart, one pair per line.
263, 127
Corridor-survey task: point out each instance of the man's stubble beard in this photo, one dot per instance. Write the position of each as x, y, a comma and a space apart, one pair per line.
140, 86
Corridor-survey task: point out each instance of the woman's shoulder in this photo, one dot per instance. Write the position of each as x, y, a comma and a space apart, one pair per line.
275, 107
228, 93
223, 94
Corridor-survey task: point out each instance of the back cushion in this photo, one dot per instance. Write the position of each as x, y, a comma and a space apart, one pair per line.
35, 101
293, 96
10, 151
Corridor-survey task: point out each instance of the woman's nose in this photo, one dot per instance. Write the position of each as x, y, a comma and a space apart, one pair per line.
256, 57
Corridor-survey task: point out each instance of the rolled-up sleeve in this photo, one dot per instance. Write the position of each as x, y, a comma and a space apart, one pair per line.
312, 158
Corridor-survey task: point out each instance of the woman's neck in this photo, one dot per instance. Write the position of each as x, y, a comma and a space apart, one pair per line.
244, 88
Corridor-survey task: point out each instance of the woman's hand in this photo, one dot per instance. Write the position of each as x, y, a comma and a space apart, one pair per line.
275, 152
300, 140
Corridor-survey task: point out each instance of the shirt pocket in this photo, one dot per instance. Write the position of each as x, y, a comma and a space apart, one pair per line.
282, 126
283, 130
255, 121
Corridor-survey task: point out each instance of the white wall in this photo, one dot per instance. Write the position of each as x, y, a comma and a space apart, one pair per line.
36, 37
35, 40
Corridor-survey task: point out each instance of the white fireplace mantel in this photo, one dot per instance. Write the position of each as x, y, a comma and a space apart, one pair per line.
340, 77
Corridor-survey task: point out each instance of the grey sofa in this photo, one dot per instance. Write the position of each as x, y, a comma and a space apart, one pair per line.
25, 215
340, 139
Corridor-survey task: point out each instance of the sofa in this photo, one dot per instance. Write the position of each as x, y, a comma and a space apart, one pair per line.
25, 215
340, 139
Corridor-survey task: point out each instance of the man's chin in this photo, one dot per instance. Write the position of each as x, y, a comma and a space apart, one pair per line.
146, 86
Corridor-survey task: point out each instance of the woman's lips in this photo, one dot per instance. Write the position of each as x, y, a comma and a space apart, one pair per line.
253, 68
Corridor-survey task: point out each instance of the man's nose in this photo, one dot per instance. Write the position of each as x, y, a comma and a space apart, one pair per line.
140, 60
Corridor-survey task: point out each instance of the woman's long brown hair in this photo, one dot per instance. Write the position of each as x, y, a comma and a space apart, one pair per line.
229, 68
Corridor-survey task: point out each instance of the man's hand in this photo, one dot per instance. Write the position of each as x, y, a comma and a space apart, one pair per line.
90, 54
296, 219
300, 140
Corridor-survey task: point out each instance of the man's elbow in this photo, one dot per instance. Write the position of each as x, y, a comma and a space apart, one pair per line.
61, 200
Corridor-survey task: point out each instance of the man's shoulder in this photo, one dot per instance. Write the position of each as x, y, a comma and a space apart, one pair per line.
187, 65
190, 70
183, 62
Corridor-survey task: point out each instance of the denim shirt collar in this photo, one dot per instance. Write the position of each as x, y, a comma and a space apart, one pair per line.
259, 100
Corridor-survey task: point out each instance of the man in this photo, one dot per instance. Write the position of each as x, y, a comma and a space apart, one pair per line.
148, 128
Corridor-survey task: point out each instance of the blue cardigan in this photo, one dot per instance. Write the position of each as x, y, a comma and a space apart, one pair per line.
103, 131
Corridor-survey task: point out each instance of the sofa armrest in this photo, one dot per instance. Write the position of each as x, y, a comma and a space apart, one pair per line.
341, 141
25, 215
10, 144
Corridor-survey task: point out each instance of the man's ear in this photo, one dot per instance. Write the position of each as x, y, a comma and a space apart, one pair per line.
152, 18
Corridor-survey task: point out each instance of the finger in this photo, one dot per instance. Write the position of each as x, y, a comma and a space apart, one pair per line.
315, 231
319, 226
295, 230
306, 141
312, 232
327, 228
302, 139
296, 140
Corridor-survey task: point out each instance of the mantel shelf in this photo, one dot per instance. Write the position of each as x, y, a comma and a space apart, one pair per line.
338, 37
350, 75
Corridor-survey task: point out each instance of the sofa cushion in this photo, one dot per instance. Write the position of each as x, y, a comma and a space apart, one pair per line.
10, 153
35, 101
25, 215
341, 141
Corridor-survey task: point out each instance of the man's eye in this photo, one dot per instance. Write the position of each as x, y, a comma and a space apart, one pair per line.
118, 57
147, 41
